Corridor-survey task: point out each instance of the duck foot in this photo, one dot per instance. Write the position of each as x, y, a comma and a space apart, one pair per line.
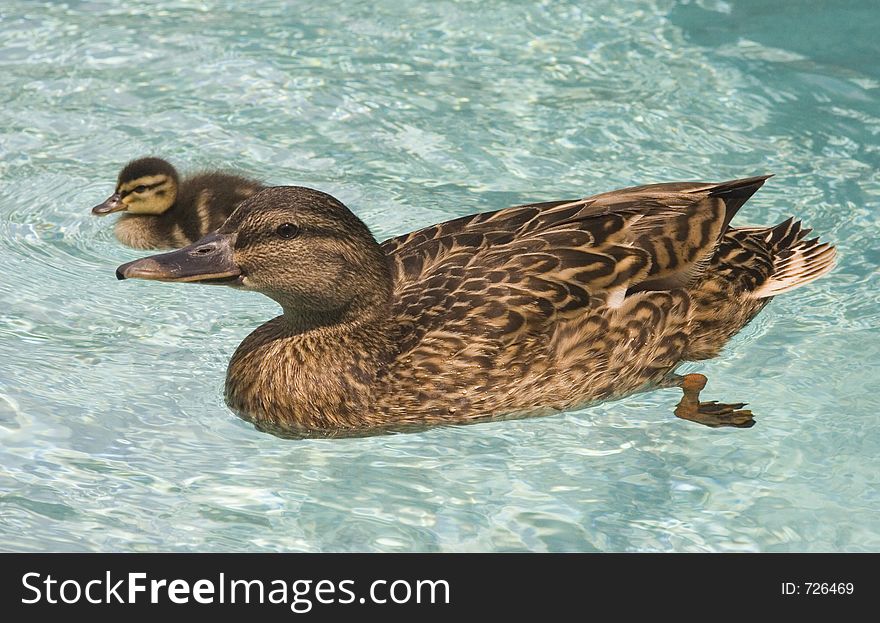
710, 413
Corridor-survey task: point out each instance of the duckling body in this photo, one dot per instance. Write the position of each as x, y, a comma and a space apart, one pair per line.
161, 211
525, 311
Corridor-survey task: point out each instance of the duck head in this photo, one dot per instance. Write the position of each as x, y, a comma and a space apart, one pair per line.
298, 246
144, 186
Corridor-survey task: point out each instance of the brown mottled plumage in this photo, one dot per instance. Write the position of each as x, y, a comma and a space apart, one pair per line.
163, 212
524, 311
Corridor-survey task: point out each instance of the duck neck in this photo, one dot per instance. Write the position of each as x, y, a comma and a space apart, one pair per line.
311, 372
150, 231
137, 231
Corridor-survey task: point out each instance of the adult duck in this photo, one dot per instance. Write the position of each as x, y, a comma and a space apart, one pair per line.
528, 310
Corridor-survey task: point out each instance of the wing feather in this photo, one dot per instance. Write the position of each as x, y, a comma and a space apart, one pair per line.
512, 274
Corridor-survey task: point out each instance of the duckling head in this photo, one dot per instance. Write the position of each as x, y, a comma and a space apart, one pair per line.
144, 186
298, 246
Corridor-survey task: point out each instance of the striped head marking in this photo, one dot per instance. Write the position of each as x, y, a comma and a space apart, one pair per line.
144, 186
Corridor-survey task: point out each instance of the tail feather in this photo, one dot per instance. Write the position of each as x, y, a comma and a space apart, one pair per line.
796, 260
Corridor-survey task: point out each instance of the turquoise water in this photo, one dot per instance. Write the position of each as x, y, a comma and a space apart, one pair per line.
113, 431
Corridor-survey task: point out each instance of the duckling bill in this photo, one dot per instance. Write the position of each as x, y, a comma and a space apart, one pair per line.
529, 310
161, 210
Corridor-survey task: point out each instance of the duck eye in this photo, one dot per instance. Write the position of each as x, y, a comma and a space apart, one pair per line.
287, 231
139, 189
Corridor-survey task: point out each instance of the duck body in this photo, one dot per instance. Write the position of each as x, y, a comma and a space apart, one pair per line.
529, 310
163, 211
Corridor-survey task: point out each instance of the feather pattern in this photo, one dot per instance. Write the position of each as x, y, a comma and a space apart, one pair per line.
582, 300
527, 310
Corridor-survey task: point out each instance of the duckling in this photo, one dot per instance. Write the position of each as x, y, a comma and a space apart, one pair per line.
529, 310
163, 212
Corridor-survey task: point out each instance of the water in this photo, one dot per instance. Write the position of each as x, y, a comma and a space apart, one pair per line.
113, 431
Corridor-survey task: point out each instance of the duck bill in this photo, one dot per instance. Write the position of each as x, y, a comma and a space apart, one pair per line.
210, 260
113, 203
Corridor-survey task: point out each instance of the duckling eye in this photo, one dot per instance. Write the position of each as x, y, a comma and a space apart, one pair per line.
139, 189
287, 231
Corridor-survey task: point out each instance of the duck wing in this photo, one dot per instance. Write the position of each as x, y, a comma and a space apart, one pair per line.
514, 270
533, 290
